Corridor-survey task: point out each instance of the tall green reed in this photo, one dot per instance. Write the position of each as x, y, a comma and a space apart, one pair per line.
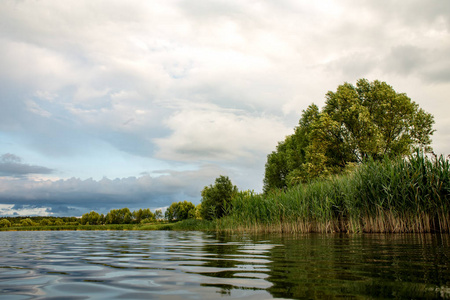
399, 195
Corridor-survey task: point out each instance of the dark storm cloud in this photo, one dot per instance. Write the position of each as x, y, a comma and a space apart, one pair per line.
65, 197
11, 165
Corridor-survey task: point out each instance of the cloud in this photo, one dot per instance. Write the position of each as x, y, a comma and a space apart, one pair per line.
406, 59
429, 64
417, 14
11, 165
76, 195
210, 133
24, 210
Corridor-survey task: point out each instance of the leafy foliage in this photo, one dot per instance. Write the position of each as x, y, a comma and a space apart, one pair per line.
5, 223
180, 211
92, 218
357, 122
158, 214
217, 198
143, 216
119, 216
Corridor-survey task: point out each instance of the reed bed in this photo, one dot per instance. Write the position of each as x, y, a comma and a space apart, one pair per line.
401, 195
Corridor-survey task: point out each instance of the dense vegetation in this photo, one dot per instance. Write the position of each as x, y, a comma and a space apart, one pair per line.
7, 222
399, 195
217, 198
369, 120
179, 211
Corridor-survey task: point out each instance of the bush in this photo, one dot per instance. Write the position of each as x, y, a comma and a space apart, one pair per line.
217, 198
5, 223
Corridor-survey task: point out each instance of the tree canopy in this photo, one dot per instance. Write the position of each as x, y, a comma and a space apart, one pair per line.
180, 211
216, 199
357, 122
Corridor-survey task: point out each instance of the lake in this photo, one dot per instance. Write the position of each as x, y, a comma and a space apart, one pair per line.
199, 265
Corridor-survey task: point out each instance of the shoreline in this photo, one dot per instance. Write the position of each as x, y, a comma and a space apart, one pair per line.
228, 225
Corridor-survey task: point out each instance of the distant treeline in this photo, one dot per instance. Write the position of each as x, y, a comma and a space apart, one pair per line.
22, 221
176, 212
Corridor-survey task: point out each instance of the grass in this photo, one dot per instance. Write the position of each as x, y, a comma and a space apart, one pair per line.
402, 195
190, 224
193, 224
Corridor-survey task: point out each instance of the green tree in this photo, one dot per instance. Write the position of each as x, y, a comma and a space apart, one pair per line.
137, 216
287, 165
180, 211
186, 210
143, 216
169, 213
357, 122
147, 214
119, 216
198, 212
5, 223
158, 214
26, 222
58, 222
217, 199
45, 222
92, 218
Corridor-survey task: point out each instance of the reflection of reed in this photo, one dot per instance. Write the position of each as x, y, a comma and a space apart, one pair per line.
328, 266
235, 263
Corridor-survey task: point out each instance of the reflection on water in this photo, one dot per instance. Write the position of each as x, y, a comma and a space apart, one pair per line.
197, 265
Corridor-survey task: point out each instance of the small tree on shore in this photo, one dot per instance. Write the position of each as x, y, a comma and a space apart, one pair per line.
217, 198
159, 215
180, 211
26, 222
5, 223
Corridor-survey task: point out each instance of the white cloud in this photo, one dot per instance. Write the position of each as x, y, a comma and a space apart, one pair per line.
209, 133
27, 210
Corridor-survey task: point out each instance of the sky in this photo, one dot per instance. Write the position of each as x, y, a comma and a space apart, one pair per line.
108, 104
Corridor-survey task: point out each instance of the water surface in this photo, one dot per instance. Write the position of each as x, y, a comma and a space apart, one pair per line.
198, 265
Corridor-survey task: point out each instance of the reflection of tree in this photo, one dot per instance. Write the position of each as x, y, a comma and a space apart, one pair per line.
221, 255
224, 257
332, 266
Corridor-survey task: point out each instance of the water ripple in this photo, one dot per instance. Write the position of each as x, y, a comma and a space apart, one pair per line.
108, 265
196, 265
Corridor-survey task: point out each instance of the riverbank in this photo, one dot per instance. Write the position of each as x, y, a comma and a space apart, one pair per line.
391, 196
